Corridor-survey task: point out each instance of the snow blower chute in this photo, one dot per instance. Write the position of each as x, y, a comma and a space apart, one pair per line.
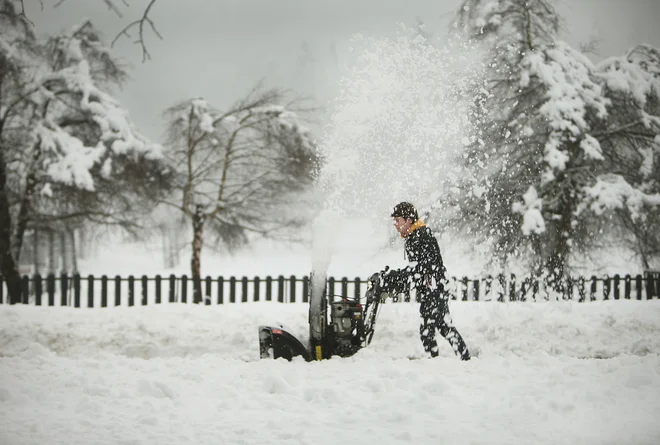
349, 328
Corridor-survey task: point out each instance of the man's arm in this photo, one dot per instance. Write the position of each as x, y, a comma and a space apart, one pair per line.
397, 281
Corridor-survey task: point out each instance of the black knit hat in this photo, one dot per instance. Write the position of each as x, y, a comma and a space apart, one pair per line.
405, 210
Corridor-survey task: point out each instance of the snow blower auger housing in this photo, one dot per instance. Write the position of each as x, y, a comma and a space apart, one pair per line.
349, 328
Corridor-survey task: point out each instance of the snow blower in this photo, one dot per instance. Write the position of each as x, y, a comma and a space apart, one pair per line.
349, 328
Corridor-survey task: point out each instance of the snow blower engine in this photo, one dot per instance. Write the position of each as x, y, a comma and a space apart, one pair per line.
350, 327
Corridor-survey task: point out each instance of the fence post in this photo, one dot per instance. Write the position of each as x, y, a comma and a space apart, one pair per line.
607, 286
344, 287
292, 289
627, 287
232, 289
159, 294
280, 289
269, 288
500, 294
76, 290
2, 290
131, 290
639, 286
145, 287
535, 288
331, 289
118, 281
512, 288
488, 287
257, 285
594, 288
616, 286
64, 289
38, 289
207, 291
581, 292
184, 289
197, 289
476, 288
104, 291
305, 290
25, 289
50, 288
244, 290
221, 290
465, 289
172, 286
90, 291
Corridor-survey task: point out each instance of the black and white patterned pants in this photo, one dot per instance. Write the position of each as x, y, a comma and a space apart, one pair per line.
436, 318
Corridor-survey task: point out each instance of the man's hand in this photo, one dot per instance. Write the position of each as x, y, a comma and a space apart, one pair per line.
384, 296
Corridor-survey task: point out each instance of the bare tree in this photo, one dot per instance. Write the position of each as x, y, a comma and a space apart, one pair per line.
138, 25
239, 171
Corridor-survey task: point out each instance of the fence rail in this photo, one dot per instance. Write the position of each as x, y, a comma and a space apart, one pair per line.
104, 291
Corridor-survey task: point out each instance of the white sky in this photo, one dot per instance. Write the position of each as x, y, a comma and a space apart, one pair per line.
220, 49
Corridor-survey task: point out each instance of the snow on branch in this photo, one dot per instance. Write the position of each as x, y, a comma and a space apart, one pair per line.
614, 192
116, 129
637, 73
68, 160
571, 94
531, 208
81, 124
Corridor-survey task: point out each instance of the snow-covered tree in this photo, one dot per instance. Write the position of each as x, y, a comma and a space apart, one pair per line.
541, 161
630, 144
240, 170
67, 148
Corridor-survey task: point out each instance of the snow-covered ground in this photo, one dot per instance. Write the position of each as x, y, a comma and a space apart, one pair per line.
544, 373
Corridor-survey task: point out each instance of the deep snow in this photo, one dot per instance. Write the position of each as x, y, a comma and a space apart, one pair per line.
544, 373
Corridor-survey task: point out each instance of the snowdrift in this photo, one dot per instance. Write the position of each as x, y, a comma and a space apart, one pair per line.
544, 373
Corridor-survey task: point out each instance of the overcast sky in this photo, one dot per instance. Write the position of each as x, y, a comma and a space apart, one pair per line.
219, 49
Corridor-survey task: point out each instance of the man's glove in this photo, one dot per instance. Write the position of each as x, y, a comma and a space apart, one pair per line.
384, 296
393, 281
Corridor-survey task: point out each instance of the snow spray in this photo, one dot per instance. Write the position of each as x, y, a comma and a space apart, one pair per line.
400, 118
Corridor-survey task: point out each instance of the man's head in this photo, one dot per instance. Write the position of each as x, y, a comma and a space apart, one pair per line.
404, 215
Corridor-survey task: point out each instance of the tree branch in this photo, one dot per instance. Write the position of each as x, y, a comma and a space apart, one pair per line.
617, 130
140, 25
22, 14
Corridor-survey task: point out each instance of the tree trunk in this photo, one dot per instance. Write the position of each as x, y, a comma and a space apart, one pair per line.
52, 264
64, 252
8, 267
74, 254
25, 206
36, 253
164, 246
557, 261
195, 263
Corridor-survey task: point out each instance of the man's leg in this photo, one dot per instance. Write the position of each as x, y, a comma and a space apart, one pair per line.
448, 331
427, 330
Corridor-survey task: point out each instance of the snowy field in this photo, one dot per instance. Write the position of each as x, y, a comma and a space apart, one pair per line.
544, 373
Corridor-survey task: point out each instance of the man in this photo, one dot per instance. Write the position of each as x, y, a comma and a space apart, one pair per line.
427, 275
